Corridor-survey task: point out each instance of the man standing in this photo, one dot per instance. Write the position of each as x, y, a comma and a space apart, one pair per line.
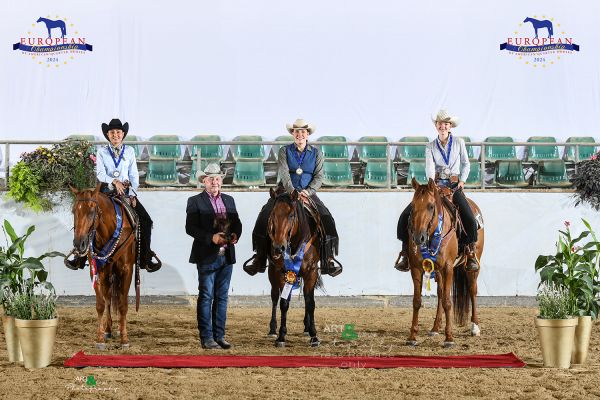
212, 220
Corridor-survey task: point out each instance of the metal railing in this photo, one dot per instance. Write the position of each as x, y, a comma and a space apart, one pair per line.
389, 145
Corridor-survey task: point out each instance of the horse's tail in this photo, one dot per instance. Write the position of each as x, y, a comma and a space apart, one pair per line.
114, 293
460, 295
320, 285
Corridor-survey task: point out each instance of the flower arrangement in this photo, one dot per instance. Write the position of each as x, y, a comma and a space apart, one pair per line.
43, 176
553, 301
575, 268
586, 181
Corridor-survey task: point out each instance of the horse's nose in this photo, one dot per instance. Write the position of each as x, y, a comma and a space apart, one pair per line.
420, 237
278, 249
80, 245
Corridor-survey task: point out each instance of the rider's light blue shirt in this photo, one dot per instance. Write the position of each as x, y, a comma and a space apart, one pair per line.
458, 161
105, 166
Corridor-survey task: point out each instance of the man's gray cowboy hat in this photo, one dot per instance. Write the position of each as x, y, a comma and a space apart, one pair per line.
210, 171
444, 116
300, 124
115, 123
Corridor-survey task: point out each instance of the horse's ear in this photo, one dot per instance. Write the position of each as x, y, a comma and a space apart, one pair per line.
294, 195
415, 184
75, 191
431, 184
97, 190
272, 193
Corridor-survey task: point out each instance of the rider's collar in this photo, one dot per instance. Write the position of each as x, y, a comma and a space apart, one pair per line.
116, 149
308, 147
447, 141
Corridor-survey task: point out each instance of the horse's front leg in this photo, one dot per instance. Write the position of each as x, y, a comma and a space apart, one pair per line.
447, 303
125, 277
437, 323
309, 311
417, 277
472, 282
102, 293
274, 300
284, 304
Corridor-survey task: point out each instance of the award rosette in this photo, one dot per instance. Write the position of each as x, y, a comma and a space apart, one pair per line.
292, 264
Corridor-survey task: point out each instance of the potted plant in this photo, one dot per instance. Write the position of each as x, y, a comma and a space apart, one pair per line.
13, 265
575, 267
555, 325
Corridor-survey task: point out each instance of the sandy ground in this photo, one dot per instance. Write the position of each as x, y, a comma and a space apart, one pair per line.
381, 331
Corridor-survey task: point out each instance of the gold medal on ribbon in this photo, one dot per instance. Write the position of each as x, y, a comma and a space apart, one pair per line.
428, 265
290, 277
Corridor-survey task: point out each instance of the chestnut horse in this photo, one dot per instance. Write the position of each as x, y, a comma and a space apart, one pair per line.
290, 228
95, 223
450, 273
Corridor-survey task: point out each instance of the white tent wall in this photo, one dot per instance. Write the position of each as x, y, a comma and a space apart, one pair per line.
352, 67
519, 227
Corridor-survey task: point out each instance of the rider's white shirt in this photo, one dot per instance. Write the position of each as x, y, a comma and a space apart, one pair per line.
105, 166
458, 161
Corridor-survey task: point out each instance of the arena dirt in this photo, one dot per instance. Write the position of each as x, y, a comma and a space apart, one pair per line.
381, 332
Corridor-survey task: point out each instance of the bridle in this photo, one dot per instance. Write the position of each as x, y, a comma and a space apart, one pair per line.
92, 230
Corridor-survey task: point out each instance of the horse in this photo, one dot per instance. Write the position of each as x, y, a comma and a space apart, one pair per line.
54, 24
450, 274
291, 230
537, 24
95, 226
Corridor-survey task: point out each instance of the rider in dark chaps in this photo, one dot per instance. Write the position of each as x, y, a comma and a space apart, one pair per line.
300, 167
116, 170
447, 163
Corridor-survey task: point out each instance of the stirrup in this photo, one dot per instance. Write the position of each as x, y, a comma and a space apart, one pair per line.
398, 264
334, 267
252, 269
75, 264
151, 266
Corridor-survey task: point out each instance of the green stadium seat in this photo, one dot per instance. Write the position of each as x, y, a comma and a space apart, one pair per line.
248, 151
416, 169
203, 163
249, 173
585, 152
474, 178
212, 151
553, 173
470, 151
372, 152
162, 151
137, 148
376, 175
162, 173
334, 151
337, 173
285, 139
411, 153
535, 153
509, 173
495, 153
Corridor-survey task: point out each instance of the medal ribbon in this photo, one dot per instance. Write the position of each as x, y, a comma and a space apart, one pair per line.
301, 158
293, 263
445, 156
117, 162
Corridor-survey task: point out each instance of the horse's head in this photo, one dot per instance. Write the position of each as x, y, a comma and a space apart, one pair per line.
527, 19
39, 19
283, 221
85, 212
426, 204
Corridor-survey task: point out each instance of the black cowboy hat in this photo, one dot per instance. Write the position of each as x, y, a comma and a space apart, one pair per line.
115, 123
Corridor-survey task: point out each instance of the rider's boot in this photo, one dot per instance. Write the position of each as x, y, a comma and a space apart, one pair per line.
471, 253
258, 262
402, 261
76, 263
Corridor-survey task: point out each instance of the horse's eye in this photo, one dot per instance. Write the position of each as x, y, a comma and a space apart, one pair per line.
430, 207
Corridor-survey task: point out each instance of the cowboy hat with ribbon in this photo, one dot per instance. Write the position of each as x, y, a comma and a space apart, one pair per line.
210, 171
444, 116
300, 124
115, 123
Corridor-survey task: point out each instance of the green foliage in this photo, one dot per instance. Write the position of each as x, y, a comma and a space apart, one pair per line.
31, 305
20, 275
44, 175
553, 301
586, 181
575, 267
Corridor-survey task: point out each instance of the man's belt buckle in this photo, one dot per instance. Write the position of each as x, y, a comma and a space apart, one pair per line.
222, 251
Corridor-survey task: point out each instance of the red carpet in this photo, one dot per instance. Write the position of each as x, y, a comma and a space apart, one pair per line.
177, 361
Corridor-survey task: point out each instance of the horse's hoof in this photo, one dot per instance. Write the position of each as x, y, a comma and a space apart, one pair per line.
475, 331
279, 344
306, 333
124, 346
411, 343
101, 346
108, 336
448, 345
272, 334
314, 342
432, 333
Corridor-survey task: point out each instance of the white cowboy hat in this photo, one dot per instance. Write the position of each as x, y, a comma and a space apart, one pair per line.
444, 116
210, 170
300, 123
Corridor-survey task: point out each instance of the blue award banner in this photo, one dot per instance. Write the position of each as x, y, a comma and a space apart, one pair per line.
538, 49
51, 49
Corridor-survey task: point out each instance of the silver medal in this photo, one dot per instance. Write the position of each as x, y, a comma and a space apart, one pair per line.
447, 171
299, 171
115, 174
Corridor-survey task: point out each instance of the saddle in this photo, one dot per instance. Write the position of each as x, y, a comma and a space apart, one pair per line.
446, 194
